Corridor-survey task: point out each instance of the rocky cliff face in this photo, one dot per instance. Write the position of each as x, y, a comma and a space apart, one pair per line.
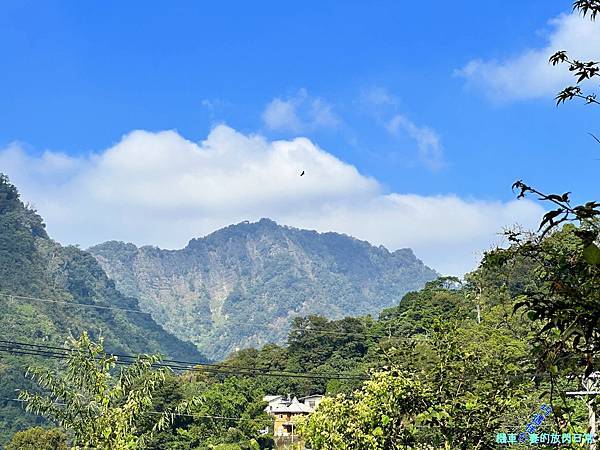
241, 286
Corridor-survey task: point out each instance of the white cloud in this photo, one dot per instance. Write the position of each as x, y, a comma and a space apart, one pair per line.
281, 115
428, 142
528, 74
378, 96
212, 105
384, 106
161, 189
301, 112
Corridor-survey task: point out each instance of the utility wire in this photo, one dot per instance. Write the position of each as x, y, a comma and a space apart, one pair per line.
234, 370
115, 308
51, 352
187, 364
202, 416
176, 367
190, 364
62, 302
20, 348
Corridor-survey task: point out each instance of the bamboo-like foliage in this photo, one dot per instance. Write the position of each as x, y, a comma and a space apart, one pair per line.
97, 404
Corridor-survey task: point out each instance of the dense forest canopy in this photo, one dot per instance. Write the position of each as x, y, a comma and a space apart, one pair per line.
32, 266
457, 360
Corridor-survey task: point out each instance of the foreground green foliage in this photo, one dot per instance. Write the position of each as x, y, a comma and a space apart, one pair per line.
565, 262
382, 415
32, 265
451, 366
564, 300
38, 438
98, 409
468, 375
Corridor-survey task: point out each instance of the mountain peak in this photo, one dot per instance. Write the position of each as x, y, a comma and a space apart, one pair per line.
22, 216
265, 221
241, 286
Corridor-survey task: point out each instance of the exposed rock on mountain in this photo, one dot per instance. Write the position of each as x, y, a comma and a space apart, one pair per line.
241, 286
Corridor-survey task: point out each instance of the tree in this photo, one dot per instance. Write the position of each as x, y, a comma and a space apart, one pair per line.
475, 359
564, 298
99, 407
383, 415
582, 70
460, 377
565, 260
224, 412
38, 438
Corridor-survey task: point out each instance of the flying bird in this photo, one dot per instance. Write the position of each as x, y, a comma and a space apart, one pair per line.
302, 173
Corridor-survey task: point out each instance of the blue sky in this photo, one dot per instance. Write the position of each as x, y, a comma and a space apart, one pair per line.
383, 86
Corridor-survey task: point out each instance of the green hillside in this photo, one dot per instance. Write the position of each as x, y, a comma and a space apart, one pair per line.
33, 265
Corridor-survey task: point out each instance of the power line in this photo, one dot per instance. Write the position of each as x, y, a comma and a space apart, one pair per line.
63, 353
134, 357
115, 308
21, 348
176, 414
255, 372
187, 364
62, 302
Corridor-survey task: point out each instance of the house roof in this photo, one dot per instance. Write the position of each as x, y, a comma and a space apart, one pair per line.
281, 405
311, 396
295, 407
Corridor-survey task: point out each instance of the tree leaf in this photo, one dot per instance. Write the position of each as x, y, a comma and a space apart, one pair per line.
592, 254
520, 305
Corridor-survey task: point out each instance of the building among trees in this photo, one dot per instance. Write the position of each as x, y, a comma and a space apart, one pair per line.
285, 410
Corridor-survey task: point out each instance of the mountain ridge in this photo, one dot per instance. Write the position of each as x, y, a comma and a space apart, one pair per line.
240, 286
33, 266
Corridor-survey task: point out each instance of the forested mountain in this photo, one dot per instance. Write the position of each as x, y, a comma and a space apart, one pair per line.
242, 286
33, 265
450, 366
444, 377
